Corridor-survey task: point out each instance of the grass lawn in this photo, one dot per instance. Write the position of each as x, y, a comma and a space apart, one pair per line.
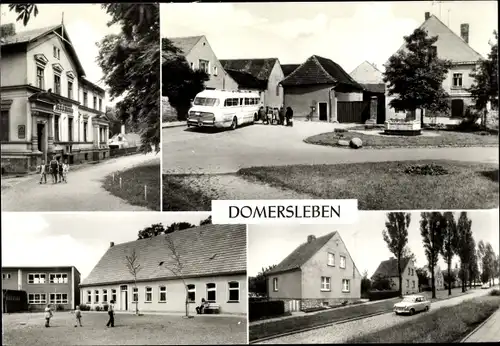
445, 139
385, 185
446, 325
133, 181
129, 330
178, 196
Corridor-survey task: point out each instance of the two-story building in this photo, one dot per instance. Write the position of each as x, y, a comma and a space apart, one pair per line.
319, 272
48, 108
389, 270
463, 57
44, 285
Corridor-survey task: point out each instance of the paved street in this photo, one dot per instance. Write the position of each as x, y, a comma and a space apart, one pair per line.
83, 192
488, 332
342, 332
188, 151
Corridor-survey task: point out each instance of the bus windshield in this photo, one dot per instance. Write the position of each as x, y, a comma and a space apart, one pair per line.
205, 101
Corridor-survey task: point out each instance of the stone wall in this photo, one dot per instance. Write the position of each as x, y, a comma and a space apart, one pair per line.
315, 303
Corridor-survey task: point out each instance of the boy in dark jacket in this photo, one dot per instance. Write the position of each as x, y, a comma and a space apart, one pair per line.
54, 169
289, 116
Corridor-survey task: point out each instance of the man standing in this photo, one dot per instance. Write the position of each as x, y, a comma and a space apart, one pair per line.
54, 169
111, 313
282, 115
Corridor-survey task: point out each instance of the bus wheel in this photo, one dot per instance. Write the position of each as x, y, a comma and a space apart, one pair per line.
234, 124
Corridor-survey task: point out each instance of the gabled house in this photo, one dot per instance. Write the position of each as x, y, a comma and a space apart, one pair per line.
125, 139
464, 58
212, 265
371, 78
200, 55
260, 75
48, 107
319, 272
315, 88
389, 269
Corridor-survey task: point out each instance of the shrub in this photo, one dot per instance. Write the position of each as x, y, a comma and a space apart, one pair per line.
495, 292
84, 307
273, 308
97, 308
339, 130
60, 308
317, 308
105, 307
427, 169
380, 295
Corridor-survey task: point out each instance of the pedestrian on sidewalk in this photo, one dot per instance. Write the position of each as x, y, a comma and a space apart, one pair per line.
78, 316
54, 168
111, 313
48, 316
43, 172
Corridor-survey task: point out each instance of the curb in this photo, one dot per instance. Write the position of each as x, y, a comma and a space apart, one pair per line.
317, 327
478, 327
167, 125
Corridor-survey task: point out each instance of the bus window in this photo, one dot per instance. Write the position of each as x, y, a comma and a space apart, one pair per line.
241, 101
247, 101
205, 101
230, 102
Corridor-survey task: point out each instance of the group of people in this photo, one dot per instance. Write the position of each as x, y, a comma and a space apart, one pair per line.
280, 116
59, 171
78, 315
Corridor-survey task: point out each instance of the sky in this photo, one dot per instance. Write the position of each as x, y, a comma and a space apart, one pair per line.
75, 239
348, 33
86, 25
268, 244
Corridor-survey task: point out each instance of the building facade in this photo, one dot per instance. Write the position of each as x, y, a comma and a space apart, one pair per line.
213, 267
320, 272
438, 277
389, 270
58, 286
48, 108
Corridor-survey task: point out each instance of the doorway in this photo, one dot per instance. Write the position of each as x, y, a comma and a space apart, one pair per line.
40, 134
457, 108
124, 297
323, 111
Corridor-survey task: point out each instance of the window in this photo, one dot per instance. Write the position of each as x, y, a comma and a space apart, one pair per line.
95, 102
70, 129
104, 296
203, 65
457, 80
4, 126
113, 295
247, 101
191, 293
58, 278
331, 259
215, 71
234, 291
346, 285
325, 283
89, 297
205, 101
85, 125
163, 294
413, 284
57, 84
96, 296
231, 102
36, 278
100, 105
40, 79
342, 262
407, 283
55, 51
37, 298
135, 294
148, 293
277, 90
5, 276
275, 284
85, 98
211, 292
56, 127
70, 89
192, 65
58, 298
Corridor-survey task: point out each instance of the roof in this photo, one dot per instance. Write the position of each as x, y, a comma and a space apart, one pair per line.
259, 68
93, 85
367, 73
301, 254
25, 37
39, 267
449, 45
225, 93
208, 250
389, 268
289, 68
185, 44
246, 80
374, 88
319, 70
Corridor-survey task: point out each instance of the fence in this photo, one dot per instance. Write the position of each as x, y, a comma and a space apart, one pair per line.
114, 152
353, 111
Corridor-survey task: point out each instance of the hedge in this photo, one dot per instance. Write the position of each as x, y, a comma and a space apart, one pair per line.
379, 295
262, 309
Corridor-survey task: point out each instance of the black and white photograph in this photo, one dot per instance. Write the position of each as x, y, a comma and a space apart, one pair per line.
391, 277
80, 107
152, 278
394, 104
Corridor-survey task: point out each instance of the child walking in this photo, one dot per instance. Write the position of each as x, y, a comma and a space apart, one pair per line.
65, 168
78, 316
43, 172
60, 171
48, 316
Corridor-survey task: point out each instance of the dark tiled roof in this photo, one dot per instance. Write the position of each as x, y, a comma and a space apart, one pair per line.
204, 251
246, 80
289, 68
185, 44
319, 70
389, 268
259, 68
302, 254
374, 88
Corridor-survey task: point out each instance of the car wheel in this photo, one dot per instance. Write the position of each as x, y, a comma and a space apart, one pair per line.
412, 312
234, 124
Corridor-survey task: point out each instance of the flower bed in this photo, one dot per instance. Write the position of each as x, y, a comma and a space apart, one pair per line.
403, 127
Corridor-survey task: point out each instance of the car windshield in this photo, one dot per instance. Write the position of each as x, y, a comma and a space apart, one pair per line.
205, 101
408, 299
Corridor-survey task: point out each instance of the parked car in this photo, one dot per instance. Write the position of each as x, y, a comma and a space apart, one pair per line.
485, 286
412, 304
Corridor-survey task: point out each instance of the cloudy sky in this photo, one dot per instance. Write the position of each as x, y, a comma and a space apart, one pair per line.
86, 25
348, 33
78, 239
268, 245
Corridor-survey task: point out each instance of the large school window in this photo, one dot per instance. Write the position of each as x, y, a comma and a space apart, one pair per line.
37, 298
104, 296
89, 297
58, 298
113, 295
96, 296
58, 278
36, 278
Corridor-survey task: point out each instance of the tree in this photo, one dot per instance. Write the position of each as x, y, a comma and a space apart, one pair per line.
484, 88
450, 239
258, 284
24, 11
178, 226
134, 268
472, 266
431, 229
366, 283
449, 278
115, 125
207, 221
463, 250
488, 263
180, 83
396, 237
415, 75
481, 251
381, 283
154, 230
423, 278
128, 61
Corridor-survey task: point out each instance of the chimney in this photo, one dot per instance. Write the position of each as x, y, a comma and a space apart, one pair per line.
122, 129
427, 15
392, 258
310, 238
464, 32
111, 244
7, 30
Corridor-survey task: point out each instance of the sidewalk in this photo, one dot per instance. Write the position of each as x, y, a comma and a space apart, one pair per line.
489, 331
173, 124
170, 314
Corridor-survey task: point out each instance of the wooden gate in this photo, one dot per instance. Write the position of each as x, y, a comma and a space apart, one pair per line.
353, 111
